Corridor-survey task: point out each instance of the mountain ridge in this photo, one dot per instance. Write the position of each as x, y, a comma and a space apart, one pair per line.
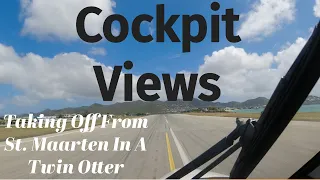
155, 107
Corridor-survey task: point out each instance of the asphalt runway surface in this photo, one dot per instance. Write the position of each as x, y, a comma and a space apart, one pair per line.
171, 141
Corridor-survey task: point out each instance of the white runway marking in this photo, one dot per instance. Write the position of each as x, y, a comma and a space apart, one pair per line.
183, 155
166, 119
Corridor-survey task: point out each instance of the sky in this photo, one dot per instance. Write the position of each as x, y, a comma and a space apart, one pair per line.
45, 65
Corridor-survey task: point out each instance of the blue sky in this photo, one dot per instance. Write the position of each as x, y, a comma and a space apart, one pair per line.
25, 92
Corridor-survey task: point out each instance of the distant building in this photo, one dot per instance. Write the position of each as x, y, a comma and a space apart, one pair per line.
69, 115
49, 117
228, 109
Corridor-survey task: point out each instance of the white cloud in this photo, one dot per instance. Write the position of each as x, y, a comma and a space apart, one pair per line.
70, 76
286, 56
242, 75
266, 17
57, 19
151, 28
65, 76
246, 75
316, 8
97, 51
115, 31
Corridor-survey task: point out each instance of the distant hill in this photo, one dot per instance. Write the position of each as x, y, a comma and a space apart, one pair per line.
132, 107
312, 100
165, 107
257, 102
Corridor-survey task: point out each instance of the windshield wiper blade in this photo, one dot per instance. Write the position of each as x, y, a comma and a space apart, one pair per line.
222, 145
230, 151
244, 130
286, 100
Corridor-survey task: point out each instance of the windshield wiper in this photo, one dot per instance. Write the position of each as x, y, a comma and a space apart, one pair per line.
285, 102
244, 130
256, 138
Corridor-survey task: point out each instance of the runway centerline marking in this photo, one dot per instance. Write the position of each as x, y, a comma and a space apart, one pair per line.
166, 119
170, 156
183, 155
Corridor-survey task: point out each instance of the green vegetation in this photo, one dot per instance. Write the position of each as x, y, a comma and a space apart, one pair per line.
206, 110
312, 116
137, 108
141, 108
25, 133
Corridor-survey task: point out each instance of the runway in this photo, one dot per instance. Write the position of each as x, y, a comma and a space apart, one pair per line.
171, 141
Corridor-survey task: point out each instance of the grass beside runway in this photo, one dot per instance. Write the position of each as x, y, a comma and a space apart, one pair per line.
20, 133
23, 133
26, 133
311, 116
